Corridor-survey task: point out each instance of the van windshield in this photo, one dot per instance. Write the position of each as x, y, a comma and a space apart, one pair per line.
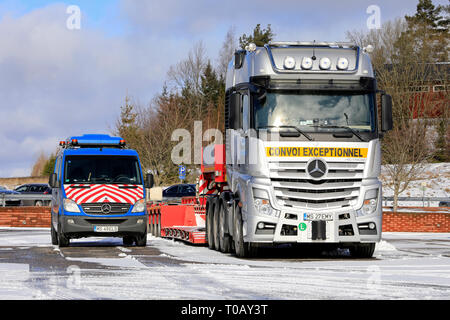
102, 169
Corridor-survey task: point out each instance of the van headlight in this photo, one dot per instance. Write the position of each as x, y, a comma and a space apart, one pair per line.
70, 206
370, 203
139, 206
262, 203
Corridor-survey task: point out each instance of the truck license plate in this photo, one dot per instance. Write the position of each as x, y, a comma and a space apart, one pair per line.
318, 216
106, 228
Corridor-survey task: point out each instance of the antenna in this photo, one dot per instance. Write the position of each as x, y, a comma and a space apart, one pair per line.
314, 51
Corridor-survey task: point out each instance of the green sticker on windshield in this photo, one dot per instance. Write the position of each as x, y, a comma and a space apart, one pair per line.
302, 226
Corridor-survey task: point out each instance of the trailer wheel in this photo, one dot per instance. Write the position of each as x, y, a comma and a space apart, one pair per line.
225, 245
209, 224
362, 250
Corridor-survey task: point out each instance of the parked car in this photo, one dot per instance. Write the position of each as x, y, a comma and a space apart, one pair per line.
444, 204
179, 191
11, 202
34, 188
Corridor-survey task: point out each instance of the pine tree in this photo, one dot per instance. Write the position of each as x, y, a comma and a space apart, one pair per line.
260, 37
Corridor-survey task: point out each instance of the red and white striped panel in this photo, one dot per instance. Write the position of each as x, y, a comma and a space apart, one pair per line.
104, 193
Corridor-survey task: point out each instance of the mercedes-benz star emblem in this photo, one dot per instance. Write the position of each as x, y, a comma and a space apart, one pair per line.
317, 168
106, 208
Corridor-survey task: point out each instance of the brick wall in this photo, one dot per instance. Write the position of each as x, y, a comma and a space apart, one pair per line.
37, 217
427, 220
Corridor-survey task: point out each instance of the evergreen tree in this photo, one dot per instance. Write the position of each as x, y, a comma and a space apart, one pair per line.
260, 37
210, 86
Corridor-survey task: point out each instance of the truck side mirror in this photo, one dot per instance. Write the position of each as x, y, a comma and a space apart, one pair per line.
53, 180
235, 112
386, 113
150, 181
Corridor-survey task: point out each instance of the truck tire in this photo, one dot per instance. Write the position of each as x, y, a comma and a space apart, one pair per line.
216, 226
54, 235
141, 240
63, 241
362, 250
242, 249
209, 224
225, 242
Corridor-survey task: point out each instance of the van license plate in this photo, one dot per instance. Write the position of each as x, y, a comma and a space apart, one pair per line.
106, 228
318, 216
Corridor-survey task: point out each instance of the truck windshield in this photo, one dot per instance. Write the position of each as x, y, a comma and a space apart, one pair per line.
316, 111
102, 169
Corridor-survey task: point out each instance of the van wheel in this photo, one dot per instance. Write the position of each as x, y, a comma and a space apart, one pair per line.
141, 241
362, 250
127, 241
63, 240
54, 235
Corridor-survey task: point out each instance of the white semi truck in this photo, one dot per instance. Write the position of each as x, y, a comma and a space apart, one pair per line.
302, 148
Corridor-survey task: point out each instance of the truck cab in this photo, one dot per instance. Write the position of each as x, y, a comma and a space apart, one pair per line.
98, 190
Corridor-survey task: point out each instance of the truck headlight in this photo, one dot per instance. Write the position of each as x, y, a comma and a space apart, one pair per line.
262, 203
370, 203
70, 206
139, 206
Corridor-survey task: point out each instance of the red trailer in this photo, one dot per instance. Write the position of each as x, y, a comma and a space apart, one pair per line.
186, 221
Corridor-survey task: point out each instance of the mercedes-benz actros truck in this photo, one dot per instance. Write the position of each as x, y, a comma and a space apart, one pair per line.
302, 151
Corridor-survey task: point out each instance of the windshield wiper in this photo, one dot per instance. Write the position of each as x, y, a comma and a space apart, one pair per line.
341, 127
290, 127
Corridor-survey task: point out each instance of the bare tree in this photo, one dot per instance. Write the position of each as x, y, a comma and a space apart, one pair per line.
226, 52
407, 78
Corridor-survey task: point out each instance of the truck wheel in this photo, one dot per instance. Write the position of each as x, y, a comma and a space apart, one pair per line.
209, 224
362, 250
225, 245
63, 241
216, 226
141, 241
239, 245
54, 235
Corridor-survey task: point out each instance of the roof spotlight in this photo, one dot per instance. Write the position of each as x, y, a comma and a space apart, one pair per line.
307, 63
342, 63
289, 63
325, 63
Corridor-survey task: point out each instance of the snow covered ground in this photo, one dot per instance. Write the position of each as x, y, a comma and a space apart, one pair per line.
436, 176
405, 266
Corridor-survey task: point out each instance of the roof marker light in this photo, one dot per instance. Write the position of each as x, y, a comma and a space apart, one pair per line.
342, 63
289, 63
325, 63
307, 63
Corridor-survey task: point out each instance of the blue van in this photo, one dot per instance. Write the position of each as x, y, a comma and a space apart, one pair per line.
98, 189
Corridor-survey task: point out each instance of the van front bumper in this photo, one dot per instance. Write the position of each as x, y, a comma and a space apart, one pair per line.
85, 226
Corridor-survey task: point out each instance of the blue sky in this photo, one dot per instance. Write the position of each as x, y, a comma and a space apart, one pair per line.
56, 82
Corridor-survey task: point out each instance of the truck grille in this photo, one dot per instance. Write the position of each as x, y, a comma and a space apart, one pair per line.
294, 187
96, 208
